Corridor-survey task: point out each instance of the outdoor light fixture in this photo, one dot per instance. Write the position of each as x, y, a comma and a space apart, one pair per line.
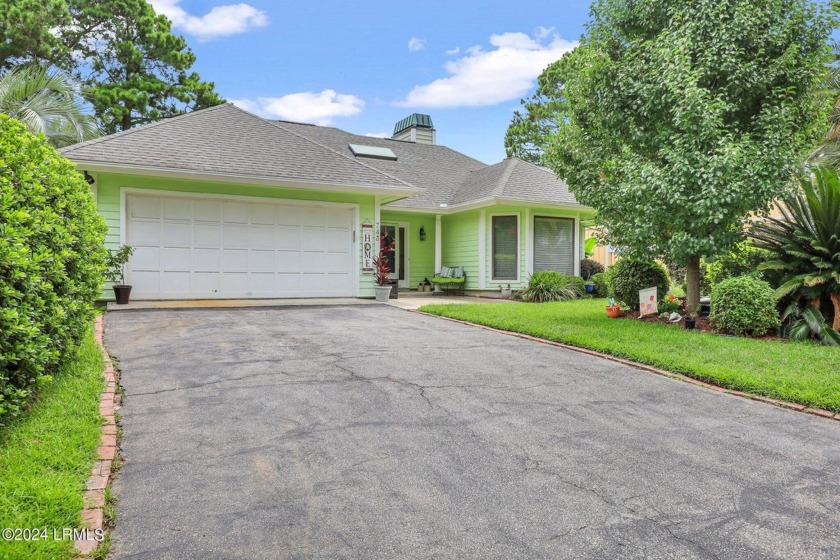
422, 233
89, 178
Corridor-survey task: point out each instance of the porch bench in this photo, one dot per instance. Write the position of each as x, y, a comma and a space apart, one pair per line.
456, 283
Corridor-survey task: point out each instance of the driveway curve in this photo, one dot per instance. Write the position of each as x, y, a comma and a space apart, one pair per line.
372, 432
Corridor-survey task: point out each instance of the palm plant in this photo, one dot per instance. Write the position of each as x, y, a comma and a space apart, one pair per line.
806, 240
803, 323
47, 102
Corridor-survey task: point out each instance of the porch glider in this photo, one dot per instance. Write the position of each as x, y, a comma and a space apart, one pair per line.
451, 278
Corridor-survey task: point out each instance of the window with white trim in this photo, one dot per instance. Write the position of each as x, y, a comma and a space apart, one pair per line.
505, 247
554, 244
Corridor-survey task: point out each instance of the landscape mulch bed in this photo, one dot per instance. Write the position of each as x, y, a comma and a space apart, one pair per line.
703, 324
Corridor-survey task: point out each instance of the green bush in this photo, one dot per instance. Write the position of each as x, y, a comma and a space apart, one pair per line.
628, 276
589, 268
601, 287
742, 261
51, 261
553, 286
744, 305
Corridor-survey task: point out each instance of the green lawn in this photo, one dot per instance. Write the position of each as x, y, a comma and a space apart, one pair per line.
46, 456
802, 373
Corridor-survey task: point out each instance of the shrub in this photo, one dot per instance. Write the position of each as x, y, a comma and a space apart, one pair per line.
628, 276
600, 281
589, 268
51, 261
553, 286
742, 261
744, 305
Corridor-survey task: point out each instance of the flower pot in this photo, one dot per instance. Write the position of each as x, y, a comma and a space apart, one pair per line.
613, 311
382, 293
505, 293
690, 323
122, 293
590, 288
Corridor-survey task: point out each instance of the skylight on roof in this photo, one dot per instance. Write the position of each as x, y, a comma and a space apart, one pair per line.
372, 152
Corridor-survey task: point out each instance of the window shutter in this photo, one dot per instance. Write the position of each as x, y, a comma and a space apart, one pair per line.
505, 247
554, 249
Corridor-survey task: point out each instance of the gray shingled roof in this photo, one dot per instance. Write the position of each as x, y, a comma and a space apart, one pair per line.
226, 140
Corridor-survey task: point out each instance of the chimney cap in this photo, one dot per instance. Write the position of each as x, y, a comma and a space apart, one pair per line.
415, 119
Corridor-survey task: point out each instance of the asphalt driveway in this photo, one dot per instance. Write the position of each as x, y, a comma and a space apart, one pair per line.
372, 432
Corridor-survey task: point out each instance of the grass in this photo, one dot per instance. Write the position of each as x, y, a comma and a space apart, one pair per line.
46, 456
799, 372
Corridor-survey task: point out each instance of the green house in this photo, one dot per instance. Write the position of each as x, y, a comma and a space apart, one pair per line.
221, 203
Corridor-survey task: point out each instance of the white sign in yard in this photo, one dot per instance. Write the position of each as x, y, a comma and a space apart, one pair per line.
647, 302
367, 247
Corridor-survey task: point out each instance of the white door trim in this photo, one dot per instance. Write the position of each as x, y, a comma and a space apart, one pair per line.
355, 251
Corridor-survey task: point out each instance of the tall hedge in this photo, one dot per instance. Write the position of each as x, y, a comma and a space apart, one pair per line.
52, 260
628, 276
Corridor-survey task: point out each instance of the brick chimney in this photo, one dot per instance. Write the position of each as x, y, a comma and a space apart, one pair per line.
415, 128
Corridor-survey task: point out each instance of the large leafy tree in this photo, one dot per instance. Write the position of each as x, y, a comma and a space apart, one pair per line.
531, 127
47, 102
678, 118
133, 68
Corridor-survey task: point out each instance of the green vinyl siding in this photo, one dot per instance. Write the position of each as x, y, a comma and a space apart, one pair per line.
460, 244
108, 188
421, 254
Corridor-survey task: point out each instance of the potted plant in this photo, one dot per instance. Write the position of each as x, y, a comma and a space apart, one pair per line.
613, 310
505, 291
115, 272
382, 273
691, 319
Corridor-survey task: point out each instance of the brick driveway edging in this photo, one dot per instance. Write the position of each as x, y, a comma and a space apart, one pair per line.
100, 474
784, 404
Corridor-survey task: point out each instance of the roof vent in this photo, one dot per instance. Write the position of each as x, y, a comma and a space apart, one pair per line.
415, 128
374, 152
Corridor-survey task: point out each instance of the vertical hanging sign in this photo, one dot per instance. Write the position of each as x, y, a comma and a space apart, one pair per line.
367, 247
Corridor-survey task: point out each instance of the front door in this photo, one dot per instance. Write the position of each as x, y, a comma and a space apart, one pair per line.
395, 237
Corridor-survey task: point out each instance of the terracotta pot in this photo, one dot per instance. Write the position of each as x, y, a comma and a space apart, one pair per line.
122, 294
613, 311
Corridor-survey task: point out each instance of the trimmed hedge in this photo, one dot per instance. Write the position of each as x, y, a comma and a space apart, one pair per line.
52, 260
744, 305
589, 268
602, 288
628, 276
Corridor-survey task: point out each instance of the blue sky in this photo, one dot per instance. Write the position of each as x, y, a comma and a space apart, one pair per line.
362, 66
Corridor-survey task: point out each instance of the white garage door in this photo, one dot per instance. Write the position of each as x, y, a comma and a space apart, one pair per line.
206, 247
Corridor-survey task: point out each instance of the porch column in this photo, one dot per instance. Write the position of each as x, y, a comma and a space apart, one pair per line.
438, 244
376, 223
482, 249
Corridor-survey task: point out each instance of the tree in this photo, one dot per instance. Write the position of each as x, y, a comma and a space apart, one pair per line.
679, 118
47, 102
529, 131
805, 241
133, 68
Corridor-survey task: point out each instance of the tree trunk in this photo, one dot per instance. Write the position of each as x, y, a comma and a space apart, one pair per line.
835, 299
692, 290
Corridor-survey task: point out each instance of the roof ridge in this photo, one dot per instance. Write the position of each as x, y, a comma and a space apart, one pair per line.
354, 160
503, 181
120, 134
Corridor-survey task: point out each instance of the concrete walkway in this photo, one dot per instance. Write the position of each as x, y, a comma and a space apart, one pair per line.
364, 431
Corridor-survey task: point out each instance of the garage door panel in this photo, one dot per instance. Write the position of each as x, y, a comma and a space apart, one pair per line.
206, 282
207, 260
177, 259
177, 235
142, 232
201, 247
144, 208
176, 282
236, 212
206, 235
207, 211
177, 209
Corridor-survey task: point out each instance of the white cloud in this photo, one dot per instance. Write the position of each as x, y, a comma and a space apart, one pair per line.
453, 51
487, 77
220, 21
378, 134
311, 107
416, 44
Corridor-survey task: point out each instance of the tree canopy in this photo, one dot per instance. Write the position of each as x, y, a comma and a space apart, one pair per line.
677, 119
133, 69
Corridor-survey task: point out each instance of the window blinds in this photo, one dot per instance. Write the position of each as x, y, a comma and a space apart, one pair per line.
505, 248
554, 240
